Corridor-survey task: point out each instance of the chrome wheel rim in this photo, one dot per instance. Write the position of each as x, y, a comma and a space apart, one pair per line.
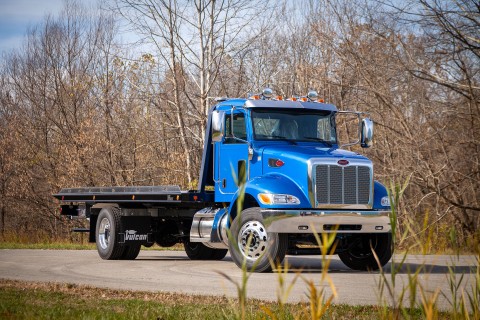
104, 233
253, 240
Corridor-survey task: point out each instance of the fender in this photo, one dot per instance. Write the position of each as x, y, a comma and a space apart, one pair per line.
380, 197
273, 183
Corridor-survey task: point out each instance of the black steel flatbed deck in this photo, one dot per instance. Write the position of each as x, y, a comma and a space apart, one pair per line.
134, 195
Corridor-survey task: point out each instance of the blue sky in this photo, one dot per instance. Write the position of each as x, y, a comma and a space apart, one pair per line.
16, 16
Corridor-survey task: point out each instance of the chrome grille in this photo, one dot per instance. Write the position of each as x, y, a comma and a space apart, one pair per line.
339, 185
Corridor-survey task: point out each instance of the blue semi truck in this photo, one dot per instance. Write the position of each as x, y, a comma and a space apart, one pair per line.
272, 175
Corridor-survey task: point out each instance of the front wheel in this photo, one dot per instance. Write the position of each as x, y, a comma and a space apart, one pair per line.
359, 255
251, 243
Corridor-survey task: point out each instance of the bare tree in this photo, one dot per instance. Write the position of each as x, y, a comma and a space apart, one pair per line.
192, 39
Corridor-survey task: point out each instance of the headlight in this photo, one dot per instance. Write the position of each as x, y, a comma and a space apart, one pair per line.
269, 198
385, 202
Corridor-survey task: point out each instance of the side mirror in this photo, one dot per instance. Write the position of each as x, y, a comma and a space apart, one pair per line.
217, 126
366, 139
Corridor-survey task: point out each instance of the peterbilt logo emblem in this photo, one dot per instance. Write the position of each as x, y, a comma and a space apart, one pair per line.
343, 162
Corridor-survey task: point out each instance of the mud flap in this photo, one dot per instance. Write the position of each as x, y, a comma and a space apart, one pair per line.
136, 230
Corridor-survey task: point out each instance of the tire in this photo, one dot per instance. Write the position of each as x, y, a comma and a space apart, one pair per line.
131, 252
199, 251
360, 257
218, 254
263, 247
107, 228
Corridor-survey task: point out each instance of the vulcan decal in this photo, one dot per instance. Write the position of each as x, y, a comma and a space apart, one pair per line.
131, 235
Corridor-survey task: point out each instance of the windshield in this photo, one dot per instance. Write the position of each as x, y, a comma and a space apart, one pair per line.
294, 125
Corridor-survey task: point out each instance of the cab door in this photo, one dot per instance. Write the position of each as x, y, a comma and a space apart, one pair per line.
231, 156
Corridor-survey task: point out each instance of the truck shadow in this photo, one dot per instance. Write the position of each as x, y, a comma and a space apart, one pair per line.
310, 264
300, 264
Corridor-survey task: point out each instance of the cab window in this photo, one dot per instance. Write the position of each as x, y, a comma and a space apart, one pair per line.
239, 129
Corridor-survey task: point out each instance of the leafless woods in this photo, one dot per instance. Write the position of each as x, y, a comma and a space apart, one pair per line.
80, 108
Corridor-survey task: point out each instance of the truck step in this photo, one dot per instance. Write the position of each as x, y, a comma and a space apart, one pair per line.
81, 230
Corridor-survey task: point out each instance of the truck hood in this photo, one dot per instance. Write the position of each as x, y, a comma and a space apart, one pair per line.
303, 153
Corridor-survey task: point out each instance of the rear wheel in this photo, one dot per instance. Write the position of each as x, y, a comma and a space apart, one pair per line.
107, 228
199, 251
131, 252
253, 244
359, 256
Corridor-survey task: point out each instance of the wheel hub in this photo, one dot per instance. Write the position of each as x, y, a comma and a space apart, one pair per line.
104, 233
252, 240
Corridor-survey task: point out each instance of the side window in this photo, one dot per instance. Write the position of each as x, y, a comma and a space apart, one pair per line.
239, 129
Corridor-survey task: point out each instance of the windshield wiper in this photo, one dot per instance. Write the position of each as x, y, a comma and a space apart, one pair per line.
328, 143
284, 138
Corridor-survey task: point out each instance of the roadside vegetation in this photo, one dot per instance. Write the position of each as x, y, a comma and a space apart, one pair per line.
30, 300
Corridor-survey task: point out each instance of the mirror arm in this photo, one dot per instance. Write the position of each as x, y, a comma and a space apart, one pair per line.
358, 114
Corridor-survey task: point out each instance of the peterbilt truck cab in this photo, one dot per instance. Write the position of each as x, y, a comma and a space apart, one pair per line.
282, 159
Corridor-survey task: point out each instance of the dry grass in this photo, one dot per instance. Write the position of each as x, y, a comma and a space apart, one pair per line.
27, 300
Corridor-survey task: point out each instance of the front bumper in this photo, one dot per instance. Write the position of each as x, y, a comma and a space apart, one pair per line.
326, 221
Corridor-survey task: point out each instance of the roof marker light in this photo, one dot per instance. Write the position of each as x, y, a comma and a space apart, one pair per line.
312, 95
267, 93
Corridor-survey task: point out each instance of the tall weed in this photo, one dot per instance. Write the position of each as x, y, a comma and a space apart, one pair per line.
319, 300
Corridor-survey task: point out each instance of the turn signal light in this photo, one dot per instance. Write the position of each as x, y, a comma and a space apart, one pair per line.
269, 198
265, 198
